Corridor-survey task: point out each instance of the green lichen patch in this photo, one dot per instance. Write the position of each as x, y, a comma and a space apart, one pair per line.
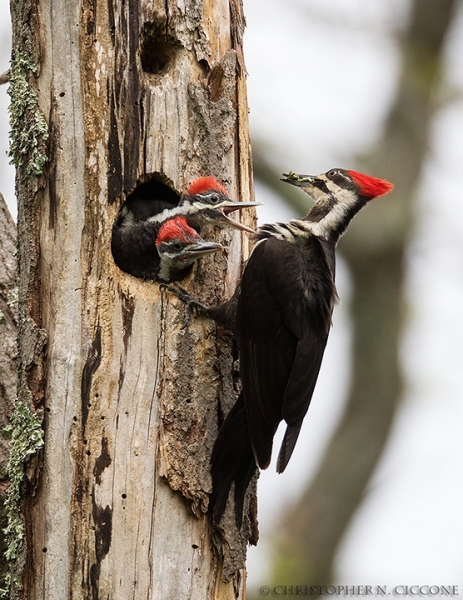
29, 130
26, 440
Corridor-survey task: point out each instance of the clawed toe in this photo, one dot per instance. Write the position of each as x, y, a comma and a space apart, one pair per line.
187, 298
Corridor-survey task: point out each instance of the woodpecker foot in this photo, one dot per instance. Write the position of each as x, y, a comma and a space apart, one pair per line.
187, 298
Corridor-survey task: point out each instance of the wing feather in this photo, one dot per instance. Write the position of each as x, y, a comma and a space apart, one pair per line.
283, 321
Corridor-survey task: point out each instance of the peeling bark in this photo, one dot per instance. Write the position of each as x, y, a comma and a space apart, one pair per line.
132, 401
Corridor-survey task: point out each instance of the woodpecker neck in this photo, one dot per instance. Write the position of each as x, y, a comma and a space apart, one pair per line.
327, 220
170, 213
171, 270
330, 219
185, 209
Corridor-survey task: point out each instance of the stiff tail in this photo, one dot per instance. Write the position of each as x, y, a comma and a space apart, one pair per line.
287, 446
232, 461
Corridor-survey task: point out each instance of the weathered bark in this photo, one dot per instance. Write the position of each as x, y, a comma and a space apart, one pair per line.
8, 377
375, 250
130, 90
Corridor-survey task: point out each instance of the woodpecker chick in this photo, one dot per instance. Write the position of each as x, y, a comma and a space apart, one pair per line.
281, 315
179, 246
136, 228
207, 200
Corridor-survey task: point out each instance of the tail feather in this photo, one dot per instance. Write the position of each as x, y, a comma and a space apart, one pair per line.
232, 461
249, 468
287, 446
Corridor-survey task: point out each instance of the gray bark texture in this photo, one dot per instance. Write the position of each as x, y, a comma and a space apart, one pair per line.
115, 505
8, 354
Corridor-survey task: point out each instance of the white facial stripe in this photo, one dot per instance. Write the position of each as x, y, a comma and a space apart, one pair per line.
344, 201
168, 213
200, 205
332, 221
343, 196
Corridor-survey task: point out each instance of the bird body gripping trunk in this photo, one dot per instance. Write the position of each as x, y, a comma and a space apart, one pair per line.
283, 310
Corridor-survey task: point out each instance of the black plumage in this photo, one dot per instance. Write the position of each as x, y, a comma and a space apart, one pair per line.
135, 231
133, 241
281, 315
282, 321
282, 325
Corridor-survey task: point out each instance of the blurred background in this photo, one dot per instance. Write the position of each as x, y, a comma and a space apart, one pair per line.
373, 492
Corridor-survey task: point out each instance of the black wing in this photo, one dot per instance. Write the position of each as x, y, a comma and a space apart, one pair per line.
283, 319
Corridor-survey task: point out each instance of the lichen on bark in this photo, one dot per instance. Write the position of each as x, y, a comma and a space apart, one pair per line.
29, 129
26, 440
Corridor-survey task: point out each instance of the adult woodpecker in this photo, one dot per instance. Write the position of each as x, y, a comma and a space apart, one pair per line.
281, 315
140, 218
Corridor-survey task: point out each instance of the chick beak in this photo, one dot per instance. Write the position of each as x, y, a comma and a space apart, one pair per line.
201, 248
231, 207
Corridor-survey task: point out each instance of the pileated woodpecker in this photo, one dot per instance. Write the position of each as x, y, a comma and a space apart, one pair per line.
137, 225
281, 315
179, 246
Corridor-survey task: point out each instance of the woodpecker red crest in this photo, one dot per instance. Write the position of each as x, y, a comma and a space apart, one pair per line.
206, 184
207, 200
371, 187
178, 229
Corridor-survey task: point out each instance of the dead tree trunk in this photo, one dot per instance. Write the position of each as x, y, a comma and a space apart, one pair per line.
8, 379
114, 507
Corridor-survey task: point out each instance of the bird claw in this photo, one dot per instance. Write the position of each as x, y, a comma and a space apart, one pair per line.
187, 298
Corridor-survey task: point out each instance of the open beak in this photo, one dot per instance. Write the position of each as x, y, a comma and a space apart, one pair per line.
232, 206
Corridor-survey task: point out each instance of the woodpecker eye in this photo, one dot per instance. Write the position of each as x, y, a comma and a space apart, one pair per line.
177, 246
331, 174
214, 198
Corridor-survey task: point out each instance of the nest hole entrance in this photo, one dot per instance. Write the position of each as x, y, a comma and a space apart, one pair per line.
145, 201
150, 198
157, 49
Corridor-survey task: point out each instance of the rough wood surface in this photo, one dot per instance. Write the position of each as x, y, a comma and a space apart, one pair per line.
8, 326
8, 355
132, 401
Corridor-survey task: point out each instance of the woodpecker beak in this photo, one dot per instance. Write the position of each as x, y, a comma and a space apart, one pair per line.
299, 180
229, 207
198, 249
